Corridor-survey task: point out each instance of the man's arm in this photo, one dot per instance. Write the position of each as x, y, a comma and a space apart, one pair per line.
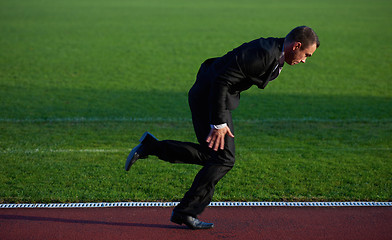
218, 114
244, 64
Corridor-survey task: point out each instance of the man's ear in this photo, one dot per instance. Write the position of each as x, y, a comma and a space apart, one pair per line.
297, 45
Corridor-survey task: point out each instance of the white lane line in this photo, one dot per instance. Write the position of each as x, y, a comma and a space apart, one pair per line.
29, 151
240, 149
212, 204
159, 119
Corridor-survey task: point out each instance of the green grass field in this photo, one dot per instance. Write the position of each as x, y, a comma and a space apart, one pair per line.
80, 81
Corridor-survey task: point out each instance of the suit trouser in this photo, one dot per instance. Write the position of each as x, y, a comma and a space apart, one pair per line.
215, 163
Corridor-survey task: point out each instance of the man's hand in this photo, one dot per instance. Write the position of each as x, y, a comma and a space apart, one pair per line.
216, 138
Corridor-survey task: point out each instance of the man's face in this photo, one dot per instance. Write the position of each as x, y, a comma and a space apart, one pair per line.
293, 53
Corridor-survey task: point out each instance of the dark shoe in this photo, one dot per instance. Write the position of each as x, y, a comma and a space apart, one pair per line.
140, 151
191, 222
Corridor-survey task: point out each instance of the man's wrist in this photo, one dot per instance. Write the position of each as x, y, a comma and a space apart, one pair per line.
219, 126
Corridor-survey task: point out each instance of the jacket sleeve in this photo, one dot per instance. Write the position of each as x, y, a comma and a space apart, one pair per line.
221, 88
218, 109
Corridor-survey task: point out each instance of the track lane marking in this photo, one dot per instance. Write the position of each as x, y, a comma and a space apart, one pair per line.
212, 204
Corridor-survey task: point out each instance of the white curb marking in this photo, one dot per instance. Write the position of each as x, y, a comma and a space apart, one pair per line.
212, 204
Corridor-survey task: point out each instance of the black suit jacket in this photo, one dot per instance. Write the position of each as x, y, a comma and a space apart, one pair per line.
221, 80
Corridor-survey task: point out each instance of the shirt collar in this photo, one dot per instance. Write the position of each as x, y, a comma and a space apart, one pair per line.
281, 57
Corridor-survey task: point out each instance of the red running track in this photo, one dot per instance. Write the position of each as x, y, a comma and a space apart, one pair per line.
248, 223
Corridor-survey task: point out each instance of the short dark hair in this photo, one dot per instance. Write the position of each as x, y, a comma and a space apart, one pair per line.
303, 34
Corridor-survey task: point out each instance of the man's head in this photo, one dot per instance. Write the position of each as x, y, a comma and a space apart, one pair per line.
300, 44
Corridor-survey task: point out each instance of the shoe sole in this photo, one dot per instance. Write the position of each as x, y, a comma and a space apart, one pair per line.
133, 156
179, 221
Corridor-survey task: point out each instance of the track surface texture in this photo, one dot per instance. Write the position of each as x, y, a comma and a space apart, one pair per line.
230, 223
